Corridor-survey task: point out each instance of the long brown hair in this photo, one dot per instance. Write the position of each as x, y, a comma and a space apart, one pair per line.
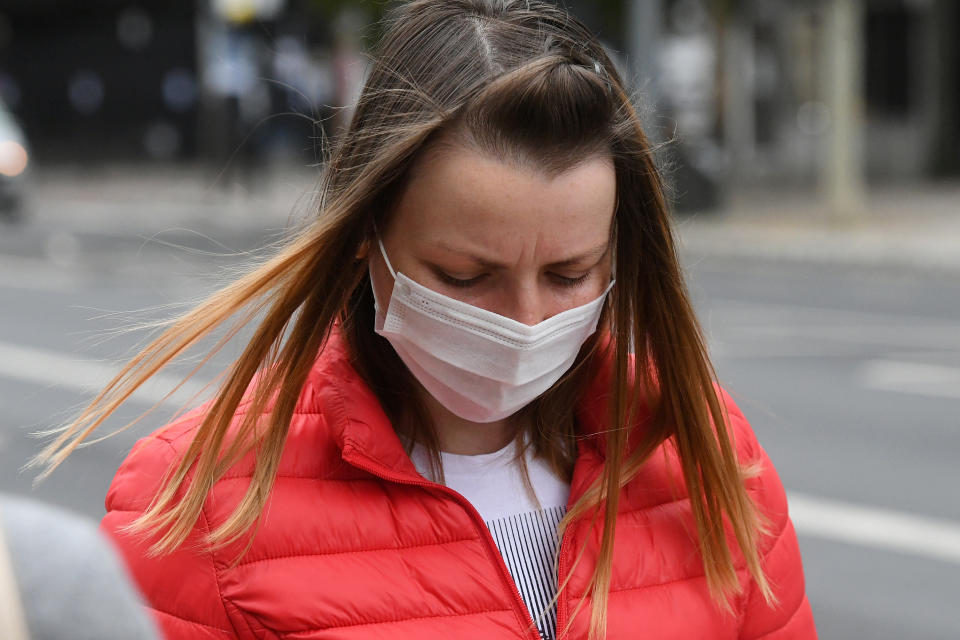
526, 83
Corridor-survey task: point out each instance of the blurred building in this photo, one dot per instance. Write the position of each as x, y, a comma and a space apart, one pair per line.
744, 83
748, 84
92, 80
114, 80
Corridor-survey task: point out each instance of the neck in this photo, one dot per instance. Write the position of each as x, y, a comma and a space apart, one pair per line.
463, 437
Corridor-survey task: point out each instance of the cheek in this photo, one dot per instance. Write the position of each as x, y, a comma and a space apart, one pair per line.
561, 300
589, 291
585, 296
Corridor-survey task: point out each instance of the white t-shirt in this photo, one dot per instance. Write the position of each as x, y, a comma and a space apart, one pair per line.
525, 533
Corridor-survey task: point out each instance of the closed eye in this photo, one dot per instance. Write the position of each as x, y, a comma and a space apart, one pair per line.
459, 282
564, 281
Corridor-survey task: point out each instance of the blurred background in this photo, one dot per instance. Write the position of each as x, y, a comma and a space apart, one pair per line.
812, 149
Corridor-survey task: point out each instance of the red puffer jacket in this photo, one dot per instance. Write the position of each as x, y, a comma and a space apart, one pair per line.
356, 544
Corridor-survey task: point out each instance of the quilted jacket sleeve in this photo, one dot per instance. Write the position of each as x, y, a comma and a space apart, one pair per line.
790, 618
181, 588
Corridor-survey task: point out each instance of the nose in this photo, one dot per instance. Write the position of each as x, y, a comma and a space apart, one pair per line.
526, 305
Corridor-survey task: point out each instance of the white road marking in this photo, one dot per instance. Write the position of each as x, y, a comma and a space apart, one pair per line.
938, 337
53, 369
32, 274
744, 310
758, 331
761, 350
909, 377
878, 528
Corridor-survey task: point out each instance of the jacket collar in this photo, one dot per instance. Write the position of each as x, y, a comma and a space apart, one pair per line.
362, 431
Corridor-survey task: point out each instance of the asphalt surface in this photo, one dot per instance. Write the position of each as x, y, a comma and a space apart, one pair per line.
850, 376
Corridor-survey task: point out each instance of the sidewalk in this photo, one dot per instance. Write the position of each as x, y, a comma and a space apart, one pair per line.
902, 226
908, 226
131, 199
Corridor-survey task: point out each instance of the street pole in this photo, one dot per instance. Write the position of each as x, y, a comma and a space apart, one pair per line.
737, 93
844, 74
645, 23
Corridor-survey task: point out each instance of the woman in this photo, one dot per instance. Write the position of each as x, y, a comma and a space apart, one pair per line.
484, 329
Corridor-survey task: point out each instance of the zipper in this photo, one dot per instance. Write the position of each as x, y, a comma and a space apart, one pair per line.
520, 607
561, 570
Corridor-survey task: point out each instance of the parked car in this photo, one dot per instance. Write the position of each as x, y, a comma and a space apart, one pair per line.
14, 162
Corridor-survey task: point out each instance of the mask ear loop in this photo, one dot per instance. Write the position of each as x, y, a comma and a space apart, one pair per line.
613, 255
383, 252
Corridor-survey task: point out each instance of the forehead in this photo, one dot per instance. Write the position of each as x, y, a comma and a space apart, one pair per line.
460, 195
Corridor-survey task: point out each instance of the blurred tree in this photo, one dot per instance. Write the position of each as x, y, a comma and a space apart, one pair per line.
946, 158
371, 12
723, 10
610, 13
609, 18
723, 13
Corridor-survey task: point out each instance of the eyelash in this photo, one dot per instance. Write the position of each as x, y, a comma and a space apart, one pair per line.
561, 280
457, 282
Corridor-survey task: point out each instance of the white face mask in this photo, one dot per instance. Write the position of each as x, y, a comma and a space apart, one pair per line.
478, 364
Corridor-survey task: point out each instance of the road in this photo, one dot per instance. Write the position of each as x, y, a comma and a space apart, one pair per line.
850, 377
851, 380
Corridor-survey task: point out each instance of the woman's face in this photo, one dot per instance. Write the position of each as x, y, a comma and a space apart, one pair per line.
508, 240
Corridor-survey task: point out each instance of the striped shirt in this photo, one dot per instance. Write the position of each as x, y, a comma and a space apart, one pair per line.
525, 532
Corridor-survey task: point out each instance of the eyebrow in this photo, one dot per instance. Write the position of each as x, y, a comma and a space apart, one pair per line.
593, 255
